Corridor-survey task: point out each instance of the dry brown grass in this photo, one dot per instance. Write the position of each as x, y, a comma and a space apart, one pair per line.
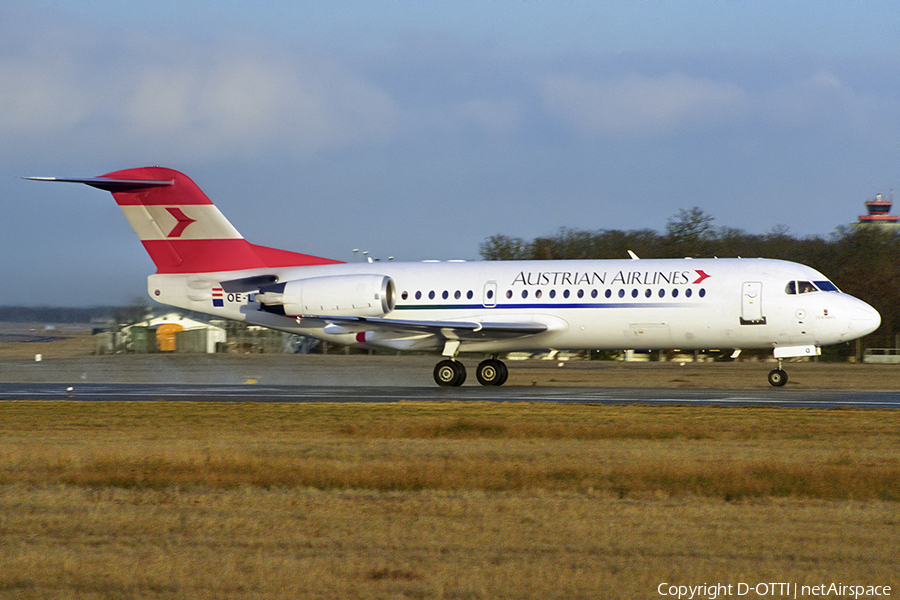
65, 542
438, 500
75, 344
456, 446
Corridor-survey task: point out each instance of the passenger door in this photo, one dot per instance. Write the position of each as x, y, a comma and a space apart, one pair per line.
751, 304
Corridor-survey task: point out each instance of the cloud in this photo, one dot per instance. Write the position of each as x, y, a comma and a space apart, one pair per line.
235, 104
193, 102
819, 99
638, 105
498, 116
38, 100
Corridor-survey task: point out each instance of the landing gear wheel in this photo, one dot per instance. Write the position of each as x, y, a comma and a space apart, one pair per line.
504, 372
492, 372
449, 373
778, 377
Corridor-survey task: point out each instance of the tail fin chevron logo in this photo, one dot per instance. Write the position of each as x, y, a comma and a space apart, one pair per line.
183, 221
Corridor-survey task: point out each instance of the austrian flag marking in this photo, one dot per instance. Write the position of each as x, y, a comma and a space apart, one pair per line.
218, 296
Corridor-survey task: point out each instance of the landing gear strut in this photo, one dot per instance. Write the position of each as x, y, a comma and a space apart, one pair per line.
778, 377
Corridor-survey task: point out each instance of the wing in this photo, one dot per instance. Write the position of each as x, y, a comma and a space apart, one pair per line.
446, 330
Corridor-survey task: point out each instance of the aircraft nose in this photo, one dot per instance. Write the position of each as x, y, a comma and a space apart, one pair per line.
864, 320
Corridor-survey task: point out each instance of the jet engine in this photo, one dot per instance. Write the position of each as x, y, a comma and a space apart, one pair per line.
335, 295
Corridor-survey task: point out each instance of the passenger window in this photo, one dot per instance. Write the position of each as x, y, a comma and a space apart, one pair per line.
418, 295
662, 293
509, 293
621, 293
688, 292
469, 294
431, 295
581, 293
553, 293
634, 293
538, 294
565, 293
648, 293
445, 295
702, 293
608, 293
404, 295
457, 294
524, 293
675, 293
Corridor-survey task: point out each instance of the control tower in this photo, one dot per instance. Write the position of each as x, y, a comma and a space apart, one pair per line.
879, 215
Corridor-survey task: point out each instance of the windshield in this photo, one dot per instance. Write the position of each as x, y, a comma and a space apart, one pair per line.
826, 286
806, 287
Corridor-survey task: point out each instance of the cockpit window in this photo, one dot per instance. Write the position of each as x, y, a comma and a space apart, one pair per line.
806, 287
826, 286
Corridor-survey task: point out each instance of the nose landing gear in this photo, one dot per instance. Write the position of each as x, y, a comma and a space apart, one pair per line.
778, 377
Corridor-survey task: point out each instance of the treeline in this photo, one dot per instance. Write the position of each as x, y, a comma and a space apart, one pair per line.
863, 262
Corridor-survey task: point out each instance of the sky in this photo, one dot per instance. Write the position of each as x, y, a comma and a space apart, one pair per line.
417, 129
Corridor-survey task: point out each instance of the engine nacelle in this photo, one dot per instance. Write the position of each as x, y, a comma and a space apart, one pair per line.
336, 295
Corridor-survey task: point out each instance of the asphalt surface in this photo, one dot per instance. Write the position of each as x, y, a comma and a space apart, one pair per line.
337, 393
295, 378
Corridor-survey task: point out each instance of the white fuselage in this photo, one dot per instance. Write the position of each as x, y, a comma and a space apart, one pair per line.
585, 304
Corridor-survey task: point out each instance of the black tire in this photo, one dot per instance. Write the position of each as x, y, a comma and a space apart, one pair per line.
449, 373
504, 372
778, 377
491, 372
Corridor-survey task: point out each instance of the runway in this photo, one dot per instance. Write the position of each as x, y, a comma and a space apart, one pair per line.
91, 392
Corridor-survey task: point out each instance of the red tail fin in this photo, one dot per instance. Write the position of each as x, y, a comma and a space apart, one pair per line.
182, 230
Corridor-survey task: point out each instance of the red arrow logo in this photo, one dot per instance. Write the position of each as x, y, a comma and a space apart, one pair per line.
183, 221
701, 274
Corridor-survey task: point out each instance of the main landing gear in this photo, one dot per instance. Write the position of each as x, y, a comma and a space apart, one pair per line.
778, 377
452, 373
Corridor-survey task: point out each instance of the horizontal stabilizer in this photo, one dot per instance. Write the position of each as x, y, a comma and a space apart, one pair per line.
110, 185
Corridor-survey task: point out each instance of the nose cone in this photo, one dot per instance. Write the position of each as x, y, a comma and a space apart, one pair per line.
864, 320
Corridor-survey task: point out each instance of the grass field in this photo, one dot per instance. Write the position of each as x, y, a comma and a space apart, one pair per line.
439, 500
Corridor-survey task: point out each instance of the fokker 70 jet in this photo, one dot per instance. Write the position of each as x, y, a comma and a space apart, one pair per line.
204, 264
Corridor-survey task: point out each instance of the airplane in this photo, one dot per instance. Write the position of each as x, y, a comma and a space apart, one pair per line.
203, 264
